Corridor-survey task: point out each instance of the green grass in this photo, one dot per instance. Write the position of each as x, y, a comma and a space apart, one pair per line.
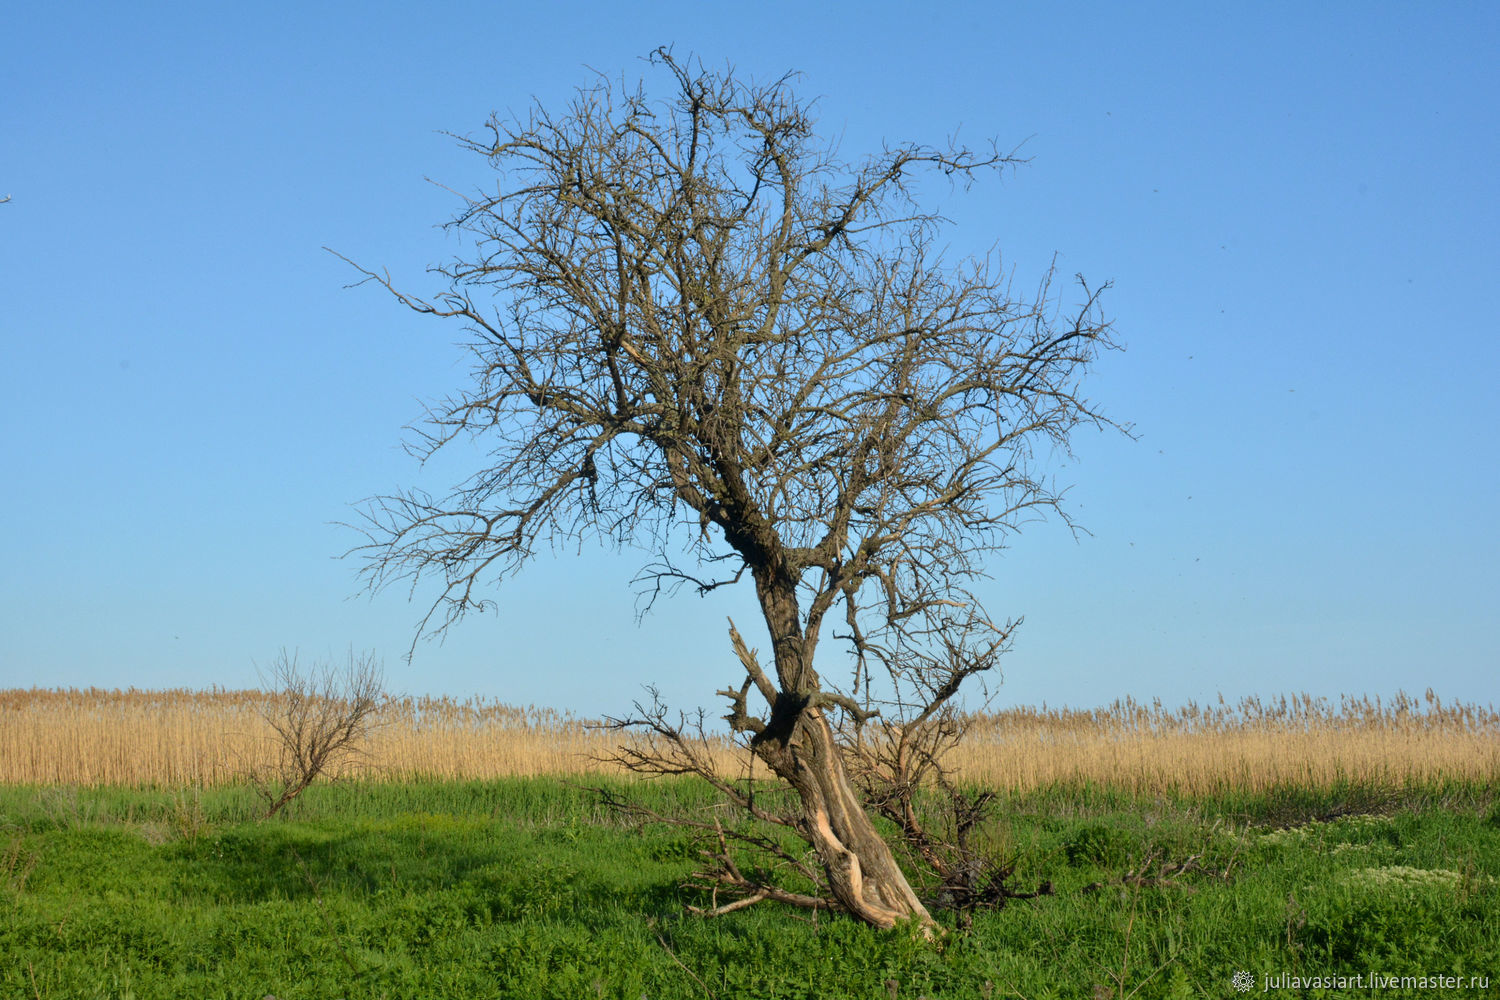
529, 888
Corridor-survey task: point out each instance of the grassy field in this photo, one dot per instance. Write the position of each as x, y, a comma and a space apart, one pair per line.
527, 888
1281, 840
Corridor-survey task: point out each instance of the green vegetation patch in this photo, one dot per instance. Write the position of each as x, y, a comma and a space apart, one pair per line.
529, 888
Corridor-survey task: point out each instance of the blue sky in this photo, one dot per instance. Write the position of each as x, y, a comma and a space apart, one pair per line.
1297, 206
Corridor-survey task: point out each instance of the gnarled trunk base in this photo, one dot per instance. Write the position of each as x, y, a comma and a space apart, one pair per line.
862, 872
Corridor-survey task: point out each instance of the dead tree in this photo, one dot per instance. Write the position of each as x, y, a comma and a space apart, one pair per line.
321, 717
694, 326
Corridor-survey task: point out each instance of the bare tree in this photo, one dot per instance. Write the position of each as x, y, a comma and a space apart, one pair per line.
714, 337
321, 717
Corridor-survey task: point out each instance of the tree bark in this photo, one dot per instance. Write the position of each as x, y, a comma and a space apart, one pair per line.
862, 871
798, 744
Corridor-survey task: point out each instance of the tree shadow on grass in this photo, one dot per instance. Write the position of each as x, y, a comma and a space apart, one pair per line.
522, 874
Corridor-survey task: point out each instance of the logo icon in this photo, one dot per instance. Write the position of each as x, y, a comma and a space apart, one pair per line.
1243, 981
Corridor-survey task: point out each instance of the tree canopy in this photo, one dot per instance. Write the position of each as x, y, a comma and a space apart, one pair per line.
696, 327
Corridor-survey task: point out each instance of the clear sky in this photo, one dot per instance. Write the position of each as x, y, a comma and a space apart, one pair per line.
1297, 203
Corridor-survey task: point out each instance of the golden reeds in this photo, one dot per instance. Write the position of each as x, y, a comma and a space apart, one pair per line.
134, 737
181, 737
1251, 745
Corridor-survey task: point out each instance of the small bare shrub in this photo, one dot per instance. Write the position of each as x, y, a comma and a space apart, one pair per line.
321, 717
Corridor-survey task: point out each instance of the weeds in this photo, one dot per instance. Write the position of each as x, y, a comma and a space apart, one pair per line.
187, 818
64, 810
16, 864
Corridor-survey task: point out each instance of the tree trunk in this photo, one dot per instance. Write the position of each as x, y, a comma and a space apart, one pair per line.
799, 746
862, 872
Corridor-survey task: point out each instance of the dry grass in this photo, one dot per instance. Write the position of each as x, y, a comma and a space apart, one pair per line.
183, 737
210, 737
1249, 746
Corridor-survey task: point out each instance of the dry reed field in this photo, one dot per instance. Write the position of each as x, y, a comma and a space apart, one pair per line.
1252, 745
181, 737
94, 737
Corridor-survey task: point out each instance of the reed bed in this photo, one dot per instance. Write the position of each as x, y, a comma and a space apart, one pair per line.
180, 738
1250, 746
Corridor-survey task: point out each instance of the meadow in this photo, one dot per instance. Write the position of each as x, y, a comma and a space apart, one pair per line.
1168, 880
